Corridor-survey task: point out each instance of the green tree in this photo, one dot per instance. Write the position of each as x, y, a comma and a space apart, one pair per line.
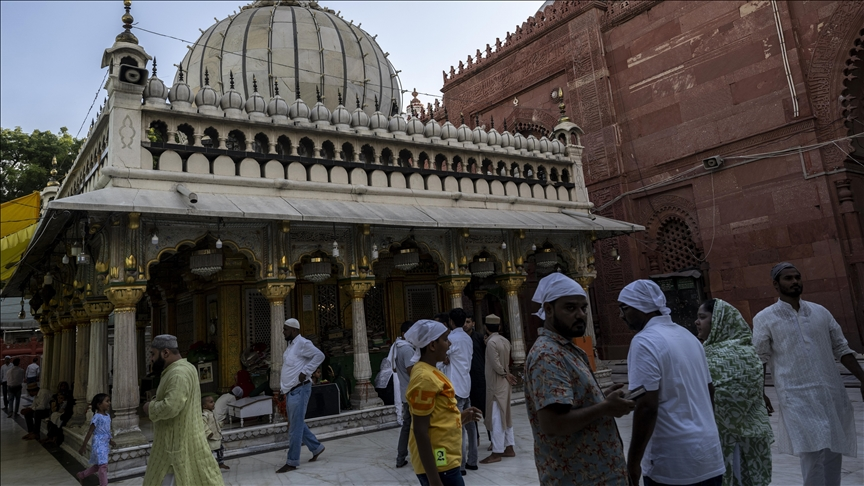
25, 159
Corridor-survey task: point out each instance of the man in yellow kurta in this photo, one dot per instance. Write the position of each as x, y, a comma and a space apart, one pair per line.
179, 444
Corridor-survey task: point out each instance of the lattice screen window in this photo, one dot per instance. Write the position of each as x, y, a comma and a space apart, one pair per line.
257, 318
373, 305
422, 301
328, 309
676, 245
185, 323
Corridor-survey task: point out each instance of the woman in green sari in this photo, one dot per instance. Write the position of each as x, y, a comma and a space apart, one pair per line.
739, 409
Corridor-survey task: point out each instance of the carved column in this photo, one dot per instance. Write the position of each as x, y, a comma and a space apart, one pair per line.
98, 310
275, 291
140, 328
47, 349
230, 331
453, 286
603, 373
511, 284
56, 351
125, 395
67, 356
479, 295
364, 395
82, 356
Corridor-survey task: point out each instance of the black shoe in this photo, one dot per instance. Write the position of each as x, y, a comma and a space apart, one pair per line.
402, 464
464, 472
469, 466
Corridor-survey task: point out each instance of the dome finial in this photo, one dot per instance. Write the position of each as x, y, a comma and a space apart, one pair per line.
231, 78
491, 122
505, 124
339, 95
276, 87
154, 66
52, 181
127, 35
317, 94
180, 77
254, 84
377, 104
476, 121
358, 99
297, 89
461, 118
206, 77
446, 115
394, 108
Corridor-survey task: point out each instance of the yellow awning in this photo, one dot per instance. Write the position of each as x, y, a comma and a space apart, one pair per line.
18, 214
11, 249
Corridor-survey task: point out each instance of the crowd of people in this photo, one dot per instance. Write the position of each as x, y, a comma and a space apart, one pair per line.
700, 414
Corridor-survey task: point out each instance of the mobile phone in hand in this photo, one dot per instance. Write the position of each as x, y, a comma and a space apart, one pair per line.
634, 394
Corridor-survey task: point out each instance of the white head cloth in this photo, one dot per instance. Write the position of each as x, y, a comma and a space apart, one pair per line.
292, 323
422, 333
552, 287
644, 295
237, 392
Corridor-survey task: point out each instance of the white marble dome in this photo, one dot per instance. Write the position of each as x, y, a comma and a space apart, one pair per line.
463, 133
448, 131
479, 135
299, 43
397, 124
207, 96
506, 139
319, 113
432, 129
299, 110
231, 100
415, 126
181, 92
519, 141
155, 90
340, 116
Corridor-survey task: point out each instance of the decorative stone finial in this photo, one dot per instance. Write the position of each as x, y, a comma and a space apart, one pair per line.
231, 78
206, 77
505, 124
339, 95
127, 35
563, 115
491, 122
52, 181
317, 94
446, 115
377, 104
180, 77
358, 100
154, 66
297, 90
476, 121
254, 84
461, 118
275, 86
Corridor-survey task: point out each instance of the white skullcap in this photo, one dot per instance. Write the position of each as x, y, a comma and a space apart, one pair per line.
292, 323
237, 392
644, 295
164, 341
422, 333
554, 286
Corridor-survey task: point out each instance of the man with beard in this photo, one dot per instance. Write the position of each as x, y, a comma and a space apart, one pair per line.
300, 360
180, 453
576, 440
498, 382
675, 438
800, 340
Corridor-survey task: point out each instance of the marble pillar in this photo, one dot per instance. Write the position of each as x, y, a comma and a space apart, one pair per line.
56, 348
125, 395
511, 285
453, 286
140, 328
67, 355
275, 291
47, 365
364, 395
479, 314
82, 356
98, 310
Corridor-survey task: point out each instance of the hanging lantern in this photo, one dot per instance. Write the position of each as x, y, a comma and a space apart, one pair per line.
22, 314
546, 258
407, 259
482, 268
317, 270
75, 250
205, 263
374, 251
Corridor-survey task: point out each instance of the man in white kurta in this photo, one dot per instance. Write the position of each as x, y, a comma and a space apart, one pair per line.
799, 341
499, 382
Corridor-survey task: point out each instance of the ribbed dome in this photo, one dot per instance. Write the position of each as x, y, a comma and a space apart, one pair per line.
493, 138
519, 141
544, 145
180, 92
506, 139
255, 103
320, 113
557, 147
479, 136
303, 46
340, 116
448, 131
378, 121
397, 124
207, 96
432, 129
298, 110
277, 106
359, 119
231, 101
531, 143
155, 90
414, 127
463, 133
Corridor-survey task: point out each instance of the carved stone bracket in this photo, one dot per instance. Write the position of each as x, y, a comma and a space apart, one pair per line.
275, 291
357, 287
98, 308
454, 285
511, 283
125, 297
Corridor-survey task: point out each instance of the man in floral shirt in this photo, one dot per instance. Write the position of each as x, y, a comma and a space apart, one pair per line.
576, 440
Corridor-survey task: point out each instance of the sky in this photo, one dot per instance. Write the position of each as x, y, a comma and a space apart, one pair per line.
51, 52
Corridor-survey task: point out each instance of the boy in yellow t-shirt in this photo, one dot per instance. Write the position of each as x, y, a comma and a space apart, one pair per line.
436, 423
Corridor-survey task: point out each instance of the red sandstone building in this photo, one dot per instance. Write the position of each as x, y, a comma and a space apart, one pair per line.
658, 86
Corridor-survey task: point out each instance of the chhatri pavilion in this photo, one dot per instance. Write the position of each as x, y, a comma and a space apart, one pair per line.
279, 176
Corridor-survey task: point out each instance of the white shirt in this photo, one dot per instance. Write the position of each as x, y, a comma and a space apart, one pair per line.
15, 377
800, 348
220, 409
300, 356
459, 370
32, 370
42, 400
3, 370
685, 446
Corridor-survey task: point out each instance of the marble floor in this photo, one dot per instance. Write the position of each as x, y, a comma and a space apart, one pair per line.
364, 459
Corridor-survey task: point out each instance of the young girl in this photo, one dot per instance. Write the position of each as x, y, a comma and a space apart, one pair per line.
100, 429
